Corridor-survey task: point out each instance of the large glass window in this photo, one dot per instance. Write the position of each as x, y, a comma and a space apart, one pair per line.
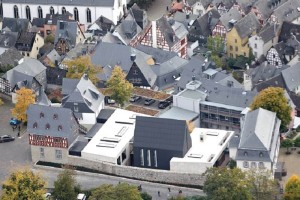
142, 157
155, 158
16, 11
28, 14
149, 158
88, 16
63, 10
76, 14
42, 153
51, 10
40, 12
58, 154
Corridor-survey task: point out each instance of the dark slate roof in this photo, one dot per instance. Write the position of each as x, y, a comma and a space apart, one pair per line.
160, 133
15, 25
42, 98
287, 12
77, 147
266, 7
38, 22
296, 99
247, 25
64, 118
158, 55
291, 76
8, 39
232, 14
276, 81
227, 3
102, 3
139, 15
94, 130
259, 135
287, 29
246, 4
51, 19
66, 30
46, 49
83, 92
268, 32
264, 72
55, 75
230, 96
185, 19
25, 41
104, 115
9, 58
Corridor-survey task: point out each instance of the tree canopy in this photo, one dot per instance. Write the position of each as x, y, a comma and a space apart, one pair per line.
80, 65
23, 184
287, 143
273, 99
65, 186
292, 188
121, 191
226, 184
24, 98
121, 88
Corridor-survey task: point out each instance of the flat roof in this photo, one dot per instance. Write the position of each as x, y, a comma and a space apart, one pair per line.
192, 94
179, 113
112, 138
207, 145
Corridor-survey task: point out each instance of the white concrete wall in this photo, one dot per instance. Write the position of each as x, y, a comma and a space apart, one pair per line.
180, 166
296, 21
186, 103
88, 118
108, 12
240, 164
38, 43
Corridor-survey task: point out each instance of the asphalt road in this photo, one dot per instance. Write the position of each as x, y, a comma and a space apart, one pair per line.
90, 180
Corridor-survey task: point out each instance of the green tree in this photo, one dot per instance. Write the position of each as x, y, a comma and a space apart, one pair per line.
23, 184
292, 188
65, 186
24, 98
287, 143
215, 44
262, 184
80, 65
297, 142
121, 89
146, 196
273, 99
226, 184
122, 191
50, 39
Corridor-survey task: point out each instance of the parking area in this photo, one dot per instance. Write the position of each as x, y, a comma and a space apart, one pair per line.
12, 154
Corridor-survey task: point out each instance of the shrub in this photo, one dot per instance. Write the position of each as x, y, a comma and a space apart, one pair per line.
298, 129
297, 142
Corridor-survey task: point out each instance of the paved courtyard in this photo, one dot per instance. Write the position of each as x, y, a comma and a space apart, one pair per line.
12, 154
157, 9
292, 163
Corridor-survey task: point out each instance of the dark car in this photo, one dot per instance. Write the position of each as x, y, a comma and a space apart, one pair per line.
134, 98
14, 122
149, 102
163, 104
6, 138
170, 99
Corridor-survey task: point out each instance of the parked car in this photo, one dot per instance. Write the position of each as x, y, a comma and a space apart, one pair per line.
6, 138
170, 99
134, 98
111, 101
149, 102
81, 196
14, 122
163, 104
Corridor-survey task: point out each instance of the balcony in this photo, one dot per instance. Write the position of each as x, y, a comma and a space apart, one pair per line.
221, 122
215, 110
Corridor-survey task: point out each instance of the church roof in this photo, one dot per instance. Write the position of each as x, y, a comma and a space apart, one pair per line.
102, 3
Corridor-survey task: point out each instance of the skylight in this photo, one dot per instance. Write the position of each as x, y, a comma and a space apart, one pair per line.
122, 131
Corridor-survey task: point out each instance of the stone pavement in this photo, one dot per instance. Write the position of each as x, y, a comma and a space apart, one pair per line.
157, 9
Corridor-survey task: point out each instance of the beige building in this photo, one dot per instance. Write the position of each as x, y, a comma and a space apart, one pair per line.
29, 43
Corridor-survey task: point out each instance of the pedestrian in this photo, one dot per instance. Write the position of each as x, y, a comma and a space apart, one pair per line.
167, 8
169, 189
180, 191
18, 133
19, 128
158, 193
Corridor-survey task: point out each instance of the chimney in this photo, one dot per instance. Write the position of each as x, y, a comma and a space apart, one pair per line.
132, 57
187, 16
154, 36
193, 78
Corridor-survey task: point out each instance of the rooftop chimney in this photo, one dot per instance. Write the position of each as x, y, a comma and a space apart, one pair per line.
132, 57
154, 36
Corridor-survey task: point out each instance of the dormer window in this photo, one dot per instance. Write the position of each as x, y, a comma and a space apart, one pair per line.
245, 153
42, 115
55, 116
34, 125
59, 128
261, 154
47, 126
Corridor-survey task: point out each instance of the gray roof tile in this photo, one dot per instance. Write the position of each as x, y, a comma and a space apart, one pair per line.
247, 25
101, 3
291, 77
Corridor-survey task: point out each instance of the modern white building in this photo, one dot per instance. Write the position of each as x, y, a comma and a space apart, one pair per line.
111, 143
207, 151
86, 11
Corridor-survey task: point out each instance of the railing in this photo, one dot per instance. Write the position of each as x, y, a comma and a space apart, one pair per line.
220, 112
221, 122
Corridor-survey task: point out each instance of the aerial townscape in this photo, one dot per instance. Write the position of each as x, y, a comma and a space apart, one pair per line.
149, 99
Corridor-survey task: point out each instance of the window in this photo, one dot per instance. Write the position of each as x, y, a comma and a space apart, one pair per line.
28, 54
236, 49
273, 55
42, 115
88, 16
155, 158
34, 125
58, 154
28, 14
135, 72
149, 158
51, 10
245, 153
59, 128
255, 45
76, 15
261, 165
253, 164
235, 40
76, 109
55, 116
255, 54
124, 155
142, 157
119, 160
245, 54
261, 154
42, 153
63, 10
246, 164
47, 126
16, 11
230, 47
40, 12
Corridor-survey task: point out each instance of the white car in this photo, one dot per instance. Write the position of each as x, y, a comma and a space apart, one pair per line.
47, 195
111, 101
81, 196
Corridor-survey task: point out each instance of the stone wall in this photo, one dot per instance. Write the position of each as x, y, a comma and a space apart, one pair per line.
161, 176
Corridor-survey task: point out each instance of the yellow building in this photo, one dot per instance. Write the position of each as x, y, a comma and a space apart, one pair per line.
237, 38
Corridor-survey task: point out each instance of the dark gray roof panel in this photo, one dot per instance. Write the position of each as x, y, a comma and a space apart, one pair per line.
247, 25
101, 3
159, 133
